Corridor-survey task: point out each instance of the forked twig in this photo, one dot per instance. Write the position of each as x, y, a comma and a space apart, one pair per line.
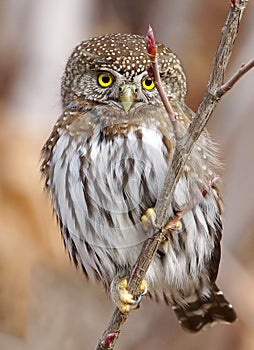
234, 79
215, 90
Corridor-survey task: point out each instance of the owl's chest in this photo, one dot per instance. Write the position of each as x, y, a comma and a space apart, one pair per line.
127, 171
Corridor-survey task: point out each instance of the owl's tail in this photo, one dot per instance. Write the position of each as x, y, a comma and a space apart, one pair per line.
205, 312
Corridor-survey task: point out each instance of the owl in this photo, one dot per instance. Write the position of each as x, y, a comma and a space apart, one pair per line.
104, 165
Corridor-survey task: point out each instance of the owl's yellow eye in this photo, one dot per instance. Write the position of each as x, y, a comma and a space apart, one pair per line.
105, 79
148, 83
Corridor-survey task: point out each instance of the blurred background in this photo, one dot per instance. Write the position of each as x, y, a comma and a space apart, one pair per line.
45, 303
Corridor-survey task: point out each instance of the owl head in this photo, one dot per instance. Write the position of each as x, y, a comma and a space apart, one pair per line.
111, 69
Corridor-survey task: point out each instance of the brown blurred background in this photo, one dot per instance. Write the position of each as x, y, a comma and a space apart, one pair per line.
44, 303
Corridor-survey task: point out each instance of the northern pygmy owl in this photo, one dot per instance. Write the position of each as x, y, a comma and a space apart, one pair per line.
105, 162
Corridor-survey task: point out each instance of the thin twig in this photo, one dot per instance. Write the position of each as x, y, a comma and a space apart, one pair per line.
234, 79
172, 223
182, 151
153, 71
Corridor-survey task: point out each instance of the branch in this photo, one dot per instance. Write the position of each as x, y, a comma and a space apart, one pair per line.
234, 79
153, 71
184, 145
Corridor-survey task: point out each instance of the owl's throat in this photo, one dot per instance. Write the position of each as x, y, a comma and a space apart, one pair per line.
121, 129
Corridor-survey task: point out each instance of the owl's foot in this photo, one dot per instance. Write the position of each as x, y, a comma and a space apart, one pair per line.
124, 300
127, 300
148, 219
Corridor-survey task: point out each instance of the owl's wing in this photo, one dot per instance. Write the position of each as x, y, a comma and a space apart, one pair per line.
63, 158
71, 124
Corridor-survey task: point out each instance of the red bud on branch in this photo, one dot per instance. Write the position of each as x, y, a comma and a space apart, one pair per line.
108, 340
237, 3
149, 70
151, 48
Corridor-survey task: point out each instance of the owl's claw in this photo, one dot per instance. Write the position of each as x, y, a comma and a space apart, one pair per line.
148, 219
125, 300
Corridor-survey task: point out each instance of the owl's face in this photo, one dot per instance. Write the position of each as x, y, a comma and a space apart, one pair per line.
111, 69
108, 86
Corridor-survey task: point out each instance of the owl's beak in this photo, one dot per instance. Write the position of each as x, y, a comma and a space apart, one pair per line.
127, 95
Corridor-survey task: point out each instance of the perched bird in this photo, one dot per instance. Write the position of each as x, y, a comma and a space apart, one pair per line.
104, 165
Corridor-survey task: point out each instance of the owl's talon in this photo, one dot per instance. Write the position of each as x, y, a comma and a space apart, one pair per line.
143, 288
124, 295
177, 226
125, 300
148, 219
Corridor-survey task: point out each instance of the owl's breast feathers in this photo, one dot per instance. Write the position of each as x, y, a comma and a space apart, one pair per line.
104, 171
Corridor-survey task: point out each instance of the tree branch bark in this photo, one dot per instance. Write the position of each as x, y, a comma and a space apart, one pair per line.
215, 90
